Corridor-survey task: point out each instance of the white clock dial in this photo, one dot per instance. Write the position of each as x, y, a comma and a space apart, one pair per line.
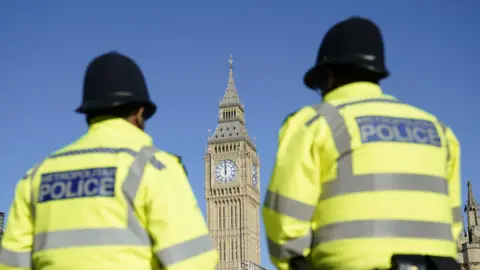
225, 171
254, 175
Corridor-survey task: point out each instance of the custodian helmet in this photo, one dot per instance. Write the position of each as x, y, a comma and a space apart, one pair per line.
113, 80
354, 42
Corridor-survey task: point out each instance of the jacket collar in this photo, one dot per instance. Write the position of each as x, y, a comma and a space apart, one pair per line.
356, 90
121, 128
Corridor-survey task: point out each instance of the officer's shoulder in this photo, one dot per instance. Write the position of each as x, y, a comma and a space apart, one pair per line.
302, 113
451, 136
70, 149
35, 168
30, 172
418, 111
432, 117
168, 159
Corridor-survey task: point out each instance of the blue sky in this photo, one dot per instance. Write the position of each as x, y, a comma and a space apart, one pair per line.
183, 48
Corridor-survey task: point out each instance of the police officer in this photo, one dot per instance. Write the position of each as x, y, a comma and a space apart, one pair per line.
362, 180
110, 200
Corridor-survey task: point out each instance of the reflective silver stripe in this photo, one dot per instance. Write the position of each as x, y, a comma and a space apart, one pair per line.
382, 228
130, 188
86, 237
457, 214
340, 135
288, 207
290, 249
383, 182
185, 250
15, 258
133, 234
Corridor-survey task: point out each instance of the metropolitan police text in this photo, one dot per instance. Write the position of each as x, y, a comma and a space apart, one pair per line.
392, 129
95, 182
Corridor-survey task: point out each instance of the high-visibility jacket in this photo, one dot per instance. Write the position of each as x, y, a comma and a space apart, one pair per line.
360, 177
108, 201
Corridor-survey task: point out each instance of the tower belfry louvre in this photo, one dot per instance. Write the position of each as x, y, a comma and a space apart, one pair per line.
232, 185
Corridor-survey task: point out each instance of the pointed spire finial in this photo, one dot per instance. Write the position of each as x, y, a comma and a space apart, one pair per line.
231, 95
231, 81
230, 74
230, 61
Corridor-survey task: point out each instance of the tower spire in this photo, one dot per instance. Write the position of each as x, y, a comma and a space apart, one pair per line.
231, 121
471, 202
231, 95
471, 208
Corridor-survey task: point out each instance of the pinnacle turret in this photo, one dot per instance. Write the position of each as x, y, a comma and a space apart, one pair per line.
468, 244
471, 202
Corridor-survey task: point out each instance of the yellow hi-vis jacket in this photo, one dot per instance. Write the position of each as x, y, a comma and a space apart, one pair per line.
108, 201
360, 177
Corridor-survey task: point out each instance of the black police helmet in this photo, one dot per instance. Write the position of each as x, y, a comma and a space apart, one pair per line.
113, 80
355, 42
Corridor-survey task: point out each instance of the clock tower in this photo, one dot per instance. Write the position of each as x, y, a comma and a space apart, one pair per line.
232, 185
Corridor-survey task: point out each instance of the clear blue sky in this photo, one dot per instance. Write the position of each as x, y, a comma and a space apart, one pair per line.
183, 49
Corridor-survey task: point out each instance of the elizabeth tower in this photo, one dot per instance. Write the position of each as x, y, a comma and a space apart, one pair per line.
232, 184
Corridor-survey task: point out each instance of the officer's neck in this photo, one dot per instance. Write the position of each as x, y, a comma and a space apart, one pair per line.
134, 120
332, 87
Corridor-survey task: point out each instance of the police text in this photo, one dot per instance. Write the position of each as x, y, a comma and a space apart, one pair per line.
401, 130
95, 182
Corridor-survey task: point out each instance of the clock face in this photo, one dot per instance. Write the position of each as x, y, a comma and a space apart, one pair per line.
254, 175
226, 171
